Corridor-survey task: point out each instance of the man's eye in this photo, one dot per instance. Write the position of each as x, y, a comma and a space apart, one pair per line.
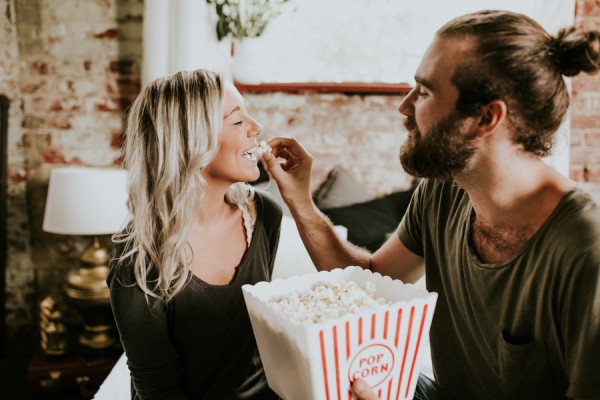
422, 94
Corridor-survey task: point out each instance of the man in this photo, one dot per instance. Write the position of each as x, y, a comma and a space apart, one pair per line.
511, 246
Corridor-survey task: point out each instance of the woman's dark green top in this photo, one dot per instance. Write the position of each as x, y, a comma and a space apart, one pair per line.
200, 345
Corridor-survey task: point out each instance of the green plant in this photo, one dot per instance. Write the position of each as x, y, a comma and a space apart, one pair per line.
245, 18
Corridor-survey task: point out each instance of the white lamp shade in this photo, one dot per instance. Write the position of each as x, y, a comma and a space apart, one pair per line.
86, 201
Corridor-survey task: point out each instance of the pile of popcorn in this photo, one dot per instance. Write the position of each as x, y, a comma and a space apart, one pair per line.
327, 300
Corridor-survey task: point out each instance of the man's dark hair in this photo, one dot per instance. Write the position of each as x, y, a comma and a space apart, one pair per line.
516, 60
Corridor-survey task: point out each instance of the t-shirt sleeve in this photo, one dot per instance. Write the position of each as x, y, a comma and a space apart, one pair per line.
410, 230
581, 326
153, 362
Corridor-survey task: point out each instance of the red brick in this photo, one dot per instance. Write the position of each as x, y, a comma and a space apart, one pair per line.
17, 175
31, 84
108, 106
41, 68
107, 34
586, 103
576, 138
38, 104
586, 8
586, 83
576, 173
593, 140
580, 155
118, 161
117, 140
53, 156
59, 121
585, 121
57, 105
589, 23
592, 173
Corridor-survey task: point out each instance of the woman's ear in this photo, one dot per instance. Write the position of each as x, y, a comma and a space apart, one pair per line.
492, 116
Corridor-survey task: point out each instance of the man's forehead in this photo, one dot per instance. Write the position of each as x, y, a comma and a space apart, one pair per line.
442, 58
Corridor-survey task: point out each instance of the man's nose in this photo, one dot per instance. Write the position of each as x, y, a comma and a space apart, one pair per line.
407, 106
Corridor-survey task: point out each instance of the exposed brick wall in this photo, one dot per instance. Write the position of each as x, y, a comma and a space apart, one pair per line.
361, 133
585, 124
71, 67
74, 67
19, 273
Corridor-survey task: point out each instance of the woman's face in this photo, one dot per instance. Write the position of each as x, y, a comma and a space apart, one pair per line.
234, 162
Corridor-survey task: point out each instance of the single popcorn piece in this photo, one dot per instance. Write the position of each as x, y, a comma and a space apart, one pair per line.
262, 148
327, 300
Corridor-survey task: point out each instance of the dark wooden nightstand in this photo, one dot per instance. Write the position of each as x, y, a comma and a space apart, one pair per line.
75, 375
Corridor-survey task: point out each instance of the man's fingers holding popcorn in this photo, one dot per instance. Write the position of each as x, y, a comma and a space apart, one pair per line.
290, 165
295, 157
290, 144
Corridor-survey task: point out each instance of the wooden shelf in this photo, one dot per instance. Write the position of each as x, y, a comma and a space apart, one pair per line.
360, 88
73, 375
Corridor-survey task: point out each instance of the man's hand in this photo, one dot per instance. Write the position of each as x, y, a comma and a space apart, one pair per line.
292, 174
363, 391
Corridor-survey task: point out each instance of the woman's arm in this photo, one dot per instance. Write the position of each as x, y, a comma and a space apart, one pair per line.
155, 367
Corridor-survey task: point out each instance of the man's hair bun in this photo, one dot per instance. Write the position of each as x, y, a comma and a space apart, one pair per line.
575, 50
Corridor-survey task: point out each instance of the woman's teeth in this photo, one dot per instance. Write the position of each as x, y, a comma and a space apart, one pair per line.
249, 155
261, 148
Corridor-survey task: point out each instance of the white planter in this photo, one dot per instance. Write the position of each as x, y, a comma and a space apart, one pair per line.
249, 61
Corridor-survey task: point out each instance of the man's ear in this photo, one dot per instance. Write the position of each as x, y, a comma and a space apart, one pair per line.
492, 116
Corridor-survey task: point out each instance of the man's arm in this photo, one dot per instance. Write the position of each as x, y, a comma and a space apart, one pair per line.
325, 248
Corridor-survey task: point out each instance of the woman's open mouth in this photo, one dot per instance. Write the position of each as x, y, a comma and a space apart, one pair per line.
249, 155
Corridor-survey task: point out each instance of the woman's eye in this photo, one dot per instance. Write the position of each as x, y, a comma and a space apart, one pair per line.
238, 123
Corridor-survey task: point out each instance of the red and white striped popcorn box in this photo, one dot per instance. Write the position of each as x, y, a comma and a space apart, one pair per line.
382, 345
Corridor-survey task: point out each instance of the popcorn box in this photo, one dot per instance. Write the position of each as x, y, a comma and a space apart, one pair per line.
318, 361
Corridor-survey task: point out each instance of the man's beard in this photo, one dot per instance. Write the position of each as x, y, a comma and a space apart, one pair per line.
441, 153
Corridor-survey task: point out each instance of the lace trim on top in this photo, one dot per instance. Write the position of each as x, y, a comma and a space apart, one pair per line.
249, 217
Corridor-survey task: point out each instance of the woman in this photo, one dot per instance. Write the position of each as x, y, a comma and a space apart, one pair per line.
197, 234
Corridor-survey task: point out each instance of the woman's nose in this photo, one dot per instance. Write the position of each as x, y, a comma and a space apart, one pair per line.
407, 106
255, 130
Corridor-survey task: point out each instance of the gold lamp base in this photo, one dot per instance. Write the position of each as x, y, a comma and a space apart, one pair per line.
86, 288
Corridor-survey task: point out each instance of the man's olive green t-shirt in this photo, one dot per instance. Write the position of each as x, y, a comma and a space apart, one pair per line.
527, 328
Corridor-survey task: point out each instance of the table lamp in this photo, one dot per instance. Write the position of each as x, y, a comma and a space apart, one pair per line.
88, 201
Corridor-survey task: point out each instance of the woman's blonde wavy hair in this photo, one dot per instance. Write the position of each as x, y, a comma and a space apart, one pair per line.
172, 134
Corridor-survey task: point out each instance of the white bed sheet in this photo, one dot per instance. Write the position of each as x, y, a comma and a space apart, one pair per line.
116, 386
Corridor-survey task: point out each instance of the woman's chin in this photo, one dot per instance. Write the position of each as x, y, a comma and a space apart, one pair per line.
252, 177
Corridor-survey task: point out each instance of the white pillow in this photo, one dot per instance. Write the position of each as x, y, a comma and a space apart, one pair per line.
292, 258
